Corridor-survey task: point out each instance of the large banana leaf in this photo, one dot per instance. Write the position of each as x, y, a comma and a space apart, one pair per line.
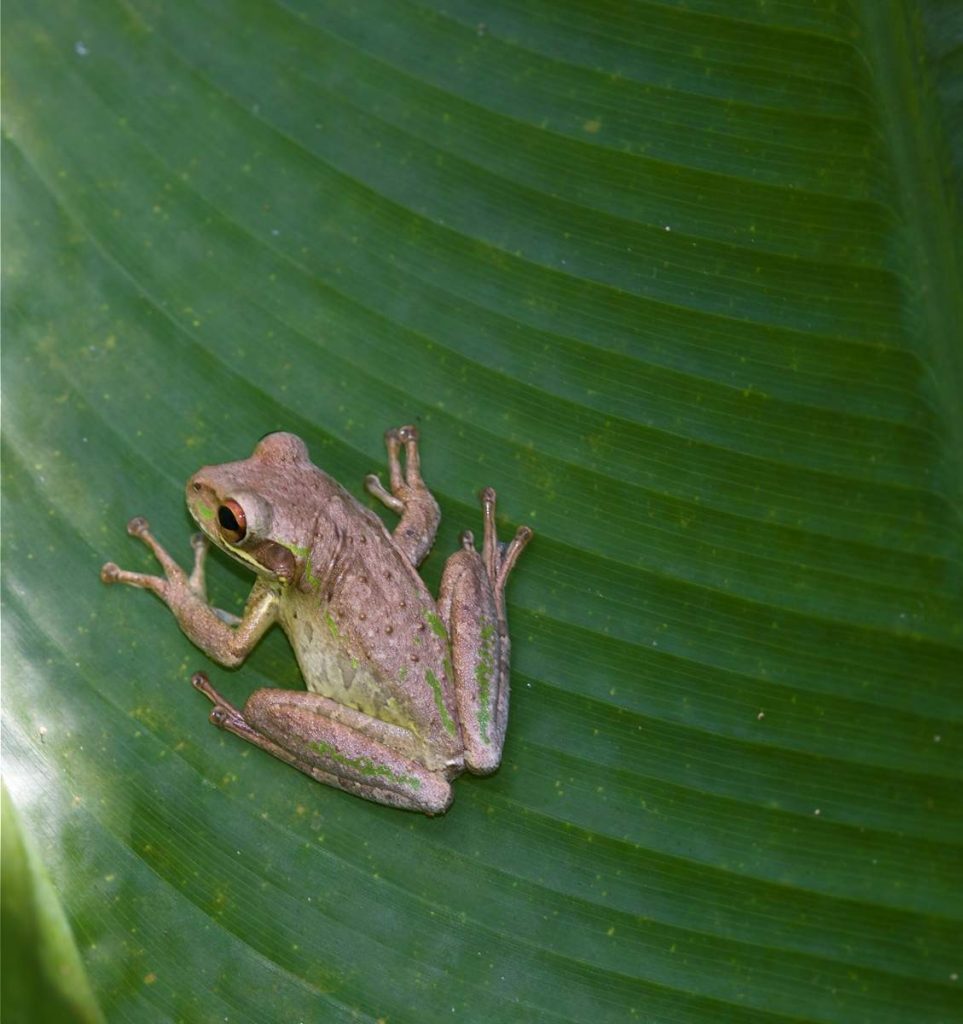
682, 281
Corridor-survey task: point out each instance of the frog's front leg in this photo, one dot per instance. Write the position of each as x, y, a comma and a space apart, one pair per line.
209, 628
333, 744
409, 496
471, 603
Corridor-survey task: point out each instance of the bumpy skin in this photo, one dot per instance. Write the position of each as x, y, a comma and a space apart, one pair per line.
402, 693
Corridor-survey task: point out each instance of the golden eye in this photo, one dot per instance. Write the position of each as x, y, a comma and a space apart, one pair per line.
232, 521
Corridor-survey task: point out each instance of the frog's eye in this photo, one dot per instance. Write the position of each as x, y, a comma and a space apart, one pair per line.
232, 521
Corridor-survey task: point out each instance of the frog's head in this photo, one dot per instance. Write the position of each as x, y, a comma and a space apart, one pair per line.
255, 509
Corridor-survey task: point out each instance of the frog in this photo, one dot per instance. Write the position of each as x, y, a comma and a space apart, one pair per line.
403, 692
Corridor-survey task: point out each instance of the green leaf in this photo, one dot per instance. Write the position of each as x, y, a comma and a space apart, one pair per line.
43, 976
681, 281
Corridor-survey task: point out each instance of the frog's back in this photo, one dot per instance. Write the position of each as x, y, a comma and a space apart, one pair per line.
376, 643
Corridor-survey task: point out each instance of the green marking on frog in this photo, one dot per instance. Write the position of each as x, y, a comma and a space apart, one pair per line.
402, 673
204, 511
484, 673
364, 765
332, 626
437, 626
440, 702
305, 553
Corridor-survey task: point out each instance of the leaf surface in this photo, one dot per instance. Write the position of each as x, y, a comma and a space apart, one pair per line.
683, 283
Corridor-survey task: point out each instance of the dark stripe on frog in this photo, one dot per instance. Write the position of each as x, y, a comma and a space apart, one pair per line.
364, 765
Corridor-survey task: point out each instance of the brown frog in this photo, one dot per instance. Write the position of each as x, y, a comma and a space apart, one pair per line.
403, 692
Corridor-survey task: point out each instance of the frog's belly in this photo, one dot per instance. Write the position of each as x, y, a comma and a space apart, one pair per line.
330, 671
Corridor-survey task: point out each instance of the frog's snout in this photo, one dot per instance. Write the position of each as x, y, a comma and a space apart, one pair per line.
196, 487
201, 501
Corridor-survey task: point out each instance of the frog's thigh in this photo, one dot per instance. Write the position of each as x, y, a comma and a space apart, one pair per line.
315, 738
479, 654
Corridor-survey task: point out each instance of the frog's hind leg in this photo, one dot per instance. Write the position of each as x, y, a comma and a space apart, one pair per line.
409, 496
333, 744
471, 603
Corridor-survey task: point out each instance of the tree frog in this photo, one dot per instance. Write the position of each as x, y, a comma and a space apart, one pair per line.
403, 692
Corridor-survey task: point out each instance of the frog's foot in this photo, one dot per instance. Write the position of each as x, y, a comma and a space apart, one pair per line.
405, 481
224, 715
175, 575
139, 527
197, 581
499, 558
171, 587
111, 573
409, 496
375, 488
